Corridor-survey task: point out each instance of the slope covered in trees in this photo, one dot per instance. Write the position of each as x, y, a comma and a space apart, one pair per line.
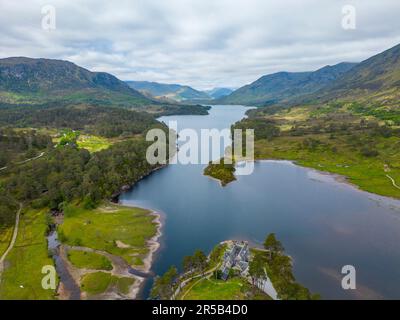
67, 173
104, 121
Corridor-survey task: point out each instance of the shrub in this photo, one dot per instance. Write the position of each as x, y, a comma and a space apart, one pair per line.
369, 152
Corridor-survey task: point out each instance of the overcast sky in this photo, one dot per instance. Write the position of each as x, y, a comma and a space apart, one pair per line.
204, 43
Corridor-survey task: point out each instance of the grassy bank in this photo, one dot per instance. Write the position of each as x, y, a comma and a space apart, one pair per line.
211, 289
121, 231
232, 289
5, 238
89, 260
100, 282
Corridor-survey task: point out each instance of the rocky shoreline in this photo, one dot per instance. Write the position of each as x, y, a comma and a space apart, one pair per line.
127, 187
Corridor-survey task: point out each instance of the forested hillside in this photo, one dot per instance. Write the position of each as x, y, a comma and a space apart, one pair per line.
68, 173
104, 121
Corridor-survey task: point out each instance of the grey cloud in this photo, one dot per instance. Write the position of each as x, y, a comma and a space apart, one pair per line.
202, 43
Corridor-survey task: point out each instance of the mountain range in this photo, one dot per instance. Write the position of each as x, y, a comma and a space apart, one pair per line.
176, 92
375, 80
279, 87
217, 93
37, 81
173, 92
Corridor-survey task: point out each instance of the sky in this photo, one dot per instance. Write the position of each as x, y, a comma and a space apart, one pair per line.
201, 43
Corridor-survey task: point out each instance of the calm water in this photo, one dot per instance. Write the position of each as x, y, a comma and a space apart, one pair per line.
323, 224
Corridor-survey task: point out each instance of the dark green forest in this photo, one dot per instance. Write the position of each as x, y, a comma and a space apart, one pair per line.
19, 145
103, 121
66, 173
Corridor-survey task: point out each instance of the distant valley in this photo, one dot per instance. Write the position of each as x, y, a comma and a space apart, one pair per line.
177, 92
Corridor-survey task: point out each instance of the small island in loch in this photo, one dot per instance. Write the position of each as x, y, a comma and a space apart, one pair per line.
224, 172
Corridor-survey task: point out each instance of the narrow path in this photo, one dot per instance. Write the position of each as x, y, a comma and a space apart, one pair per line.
393, 182
34, 158
190, 288
13, 239
25, 161
183, 284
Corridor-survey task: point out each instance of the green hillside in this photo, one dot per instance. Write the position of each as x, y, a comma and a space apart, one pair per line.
281, 87
375, 81
32, 81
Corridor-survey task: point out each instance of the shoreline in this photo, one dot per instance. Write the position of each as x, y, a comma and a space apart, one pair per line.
121, 268
341, 179
217, 180
153, 245
125, 188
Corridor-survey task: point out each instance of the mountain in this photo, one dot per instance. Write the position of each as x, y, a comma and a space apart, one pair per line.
27, 80
283, 86
376, 79
217, 93
174, 92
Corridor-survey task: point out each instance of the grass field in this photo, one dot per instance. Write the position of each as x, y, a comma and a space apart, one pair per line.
211, 289
5, 238
121, 231
89, 260
93, 143
99, 282
22, 276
